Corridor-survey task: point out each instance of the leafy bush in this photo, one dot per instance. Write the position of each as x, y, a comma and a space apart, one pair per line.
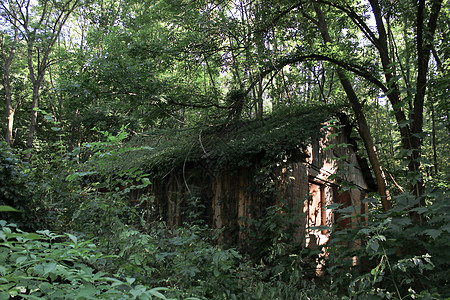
182, 259
398, 257
187, 262
272, 240
44, 264
14, 189
285, 269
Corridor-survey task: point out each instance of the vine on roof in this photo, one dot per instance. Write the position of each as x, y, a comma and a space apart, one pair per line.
281, 135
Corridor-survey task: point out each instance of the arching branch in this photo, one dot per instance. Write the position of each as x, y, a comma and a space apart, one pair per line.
294, 59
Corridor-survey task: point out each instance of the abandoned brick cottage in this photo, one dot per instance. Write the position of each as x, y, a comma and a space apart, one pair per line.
230, 173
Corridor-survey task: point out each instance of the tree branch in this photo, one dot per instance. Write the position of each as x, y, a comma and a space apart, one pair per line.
357, 20
295, 58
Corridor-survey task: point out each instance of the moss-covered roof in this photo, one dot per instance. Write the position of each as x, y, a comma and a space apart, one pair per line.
242, 143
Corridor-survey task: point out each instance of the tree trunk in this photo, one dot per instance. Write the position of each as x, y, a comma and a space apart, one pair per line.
411, 135
363, 128
6, 80
433, 135
364, 132
10, 126
36, 80
9, 108
34, 114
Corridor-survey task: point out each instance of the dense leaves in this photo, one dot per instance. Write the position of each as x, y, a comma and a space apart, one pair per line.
44, 264
15, 191
102, 96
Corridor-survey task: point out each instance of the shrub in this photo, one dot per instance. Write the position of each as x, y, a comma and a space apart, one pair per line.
44, 264
14, 188
398, 257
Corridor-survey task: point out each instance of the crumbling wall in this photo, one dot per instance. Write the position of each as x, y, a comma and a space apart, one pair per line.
314, 184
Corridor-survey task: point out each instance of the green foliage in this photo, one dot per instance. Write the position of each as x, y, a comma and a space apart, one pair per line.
47, 265
181, 259
14, 188
169, 65
397, 257
93, 206
282, 260
283, 134
187, 262
95, 202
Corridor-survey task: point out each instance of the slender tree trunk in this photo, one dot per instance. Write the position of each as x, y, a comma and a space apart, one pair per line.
6, 80
260, 103
34, 114
394, 95
364, 132
260, 38
363, 128
36, 80
9, 108
259, 86
10, 126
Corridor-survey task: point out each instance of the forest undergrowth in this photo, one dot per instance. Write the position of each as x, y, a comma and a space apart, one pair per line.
61, 238
102, 99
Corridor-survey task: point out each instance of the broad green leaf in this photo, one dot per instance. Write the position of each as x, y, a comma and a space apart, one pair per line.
137, 291
373, 244
115, 281
44, 232
130, 280
155, 292
405, 123
87, 290
73, 238
6, 208
21, 259
3, 271
364, 231
33, 236
49, 268
146, 181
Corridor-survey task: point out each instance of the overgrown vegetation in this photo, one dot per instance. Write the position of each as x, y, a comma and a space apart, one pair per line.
43, 264
107, 247
397, 257
102, 97
283, 133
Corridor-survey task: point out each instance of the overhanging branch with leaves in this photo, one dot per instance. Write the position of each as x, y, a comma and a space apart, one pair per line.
296, 58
